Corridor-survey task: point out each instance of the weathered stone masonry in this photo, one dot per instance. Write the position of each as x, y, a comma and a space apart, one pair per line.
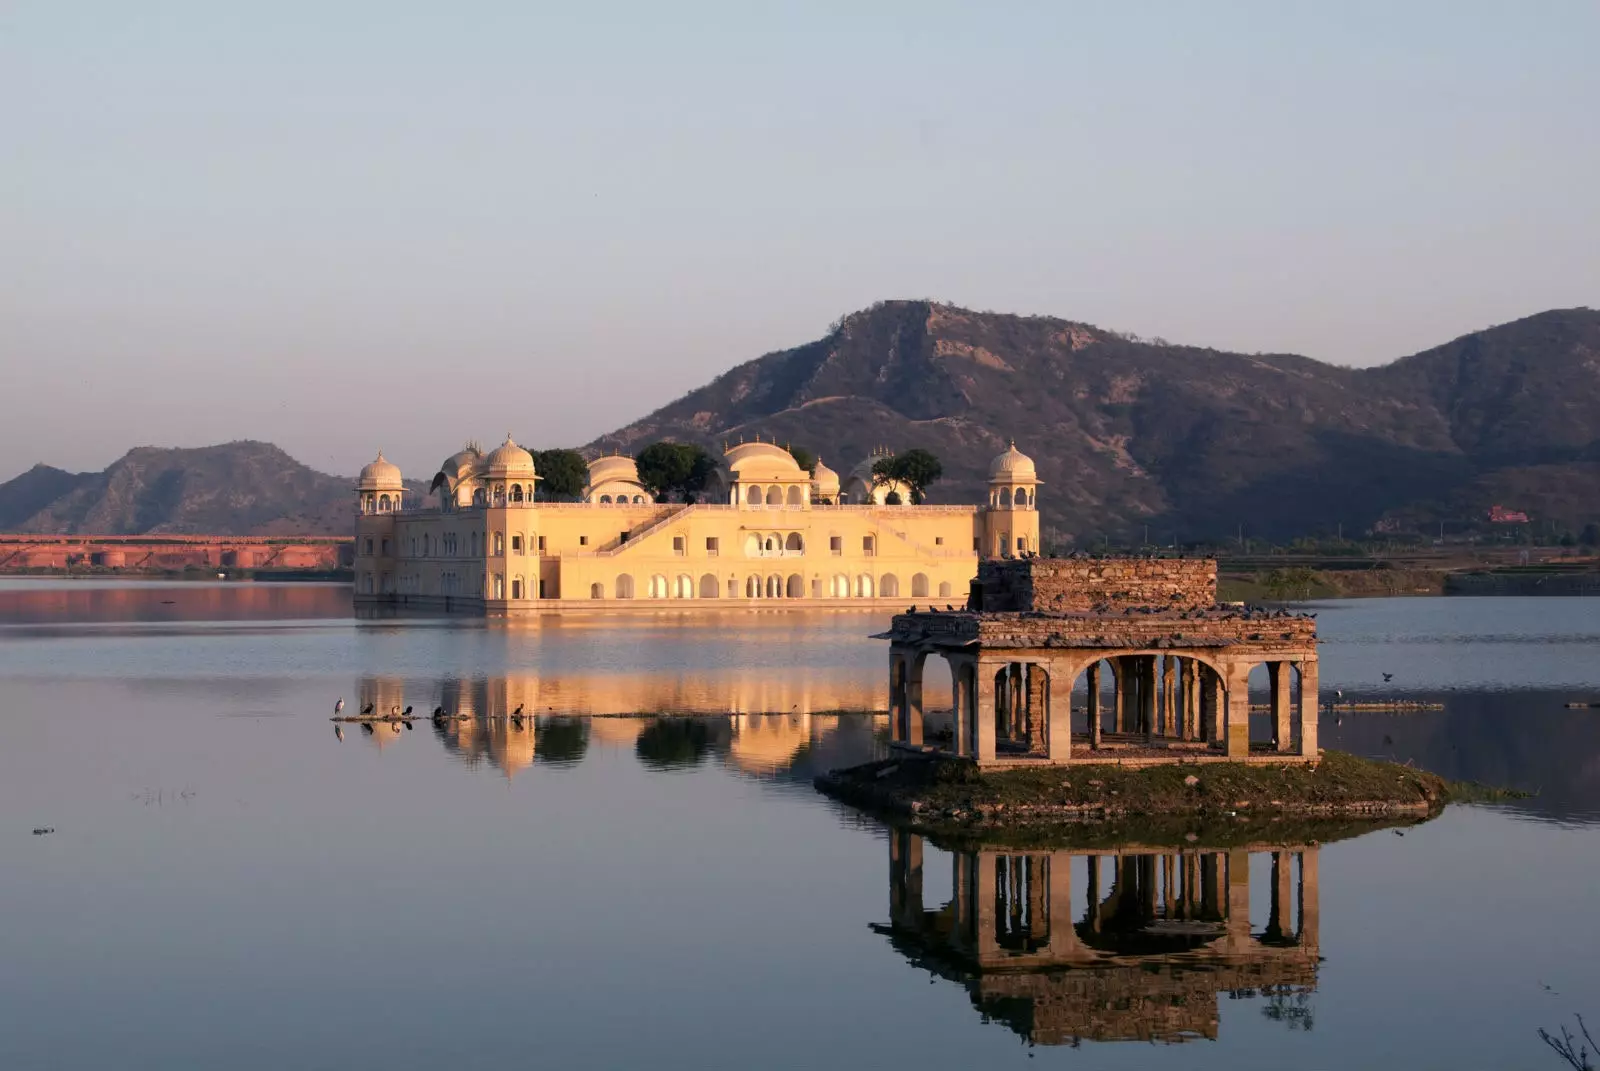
1176, 665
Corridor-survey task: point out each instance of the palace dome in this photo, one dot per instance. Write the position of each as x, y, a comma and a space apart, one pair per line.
380, 475
613, 467
826, 479
1012, 466
508, 459
761, 461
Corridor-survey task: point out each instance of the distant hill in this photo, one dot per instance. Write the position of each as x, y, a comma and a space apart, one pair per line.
239, 488
1193, 442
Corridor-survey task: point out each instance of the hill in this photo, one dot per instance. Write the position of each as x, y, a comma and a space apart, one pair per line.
1193, 442
238, 488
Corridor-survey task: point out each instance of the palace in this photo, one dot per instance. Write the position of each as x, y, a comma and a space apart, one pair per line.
766, 532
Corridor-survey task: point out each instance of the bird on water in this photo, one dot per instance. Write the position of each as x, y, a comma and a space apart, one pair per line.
339, 706
338, 733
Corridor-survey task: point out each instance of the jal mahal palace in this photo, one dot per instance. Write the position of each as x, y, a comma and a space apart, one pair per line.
766, 531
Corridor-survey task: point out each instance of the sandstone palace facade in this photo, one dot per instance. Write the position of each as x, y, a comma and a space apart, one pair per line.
766, 532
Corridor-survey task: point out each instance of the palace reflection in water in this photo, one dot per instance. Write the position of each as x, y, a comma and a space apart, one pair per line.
511, 723
1133, 943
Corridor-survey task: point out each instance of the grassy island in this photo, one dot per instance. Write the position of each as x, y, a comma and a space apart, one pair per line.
955, 797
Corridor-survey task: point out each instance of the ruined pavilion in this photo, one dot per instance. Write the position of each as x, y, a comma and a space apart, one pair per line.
1035, 630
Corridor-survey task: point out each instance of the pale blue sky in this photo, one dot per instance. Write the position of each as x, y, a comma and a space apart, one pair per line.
344, 225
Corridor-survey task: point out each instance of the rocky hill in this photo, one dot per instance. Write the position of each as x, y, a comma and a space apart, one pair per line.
239, 488
1193, 442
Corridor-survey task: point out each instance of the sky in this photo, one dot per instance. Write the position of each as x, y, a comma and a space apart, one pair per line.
349, 226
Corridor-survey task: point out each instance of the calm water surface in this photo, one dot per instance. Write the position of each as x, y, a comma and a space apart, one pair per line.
229, 885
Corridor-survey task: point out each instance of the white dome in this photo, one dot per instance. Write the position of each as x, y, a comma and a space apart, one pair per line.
1013, 466
748, 462
509, 459
380, 475
826, 479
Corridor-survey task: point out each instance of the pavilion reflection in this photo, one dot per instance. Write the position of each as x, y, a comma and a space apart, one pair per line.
1133, 943
511, 723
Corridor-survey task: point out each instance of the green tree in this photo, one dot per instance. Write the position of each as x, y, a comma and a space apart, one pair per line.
803, 457
916, 469
666, 467
562, 473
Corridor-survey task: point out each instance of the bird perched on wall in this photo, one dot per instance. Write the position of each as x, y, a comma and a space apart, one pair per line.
369, 708
406, 713
339, 706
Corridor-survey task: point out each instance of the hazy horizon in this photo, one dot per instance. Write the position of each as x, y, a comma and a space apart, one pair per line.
389, 225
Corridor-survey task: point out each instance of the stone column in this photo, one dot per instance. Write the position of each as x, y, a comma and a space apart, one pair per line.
915, 663
1169, 695
1038, 898
984, 710
1282, 732
1191, 701
1040, 735
1219, 709
1310, 705
905, 878
1119, 695
1211, 876
1093, 913
1147, 697
896, 695
1093, 679
1238, 703
962, 895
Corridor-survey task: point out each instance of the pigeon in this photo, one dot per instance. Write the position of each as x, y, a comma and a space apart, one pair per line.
1387, 677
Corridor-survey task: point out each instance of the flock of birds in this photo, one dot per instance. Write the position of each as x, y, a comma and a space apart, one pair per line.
398, 717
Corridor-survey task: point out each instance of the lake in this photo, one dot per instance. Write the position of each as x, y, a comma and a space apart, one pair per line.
230, 885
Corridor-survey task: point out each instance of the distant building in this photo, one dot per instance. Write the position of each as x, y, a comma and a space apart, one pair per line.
1501, 515
766, 531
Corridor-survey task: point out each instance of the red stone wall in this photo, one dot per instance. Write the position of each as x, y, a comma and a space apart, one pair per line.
20, 553
1069, 584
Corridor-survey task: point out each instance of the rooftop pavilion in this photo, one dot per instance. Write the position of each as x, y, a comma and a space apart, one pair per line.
1160, 670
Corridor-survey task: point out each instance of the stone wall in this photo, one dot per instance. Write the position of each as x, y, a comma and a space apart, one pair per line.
1077, 584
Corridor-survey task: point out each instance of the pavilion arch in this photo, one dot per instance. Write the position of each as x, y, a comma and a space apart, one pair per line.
796, 496
774, 496
709, 588
752, 586
919, 586
752, 545
889, 586
1132, 693
840, 586
597, 590
772, 544
795, 587
753, 496
624, 588
864, 586
516, 587
683, 588
605, 500
638, 499
516, 492
793, 544
774, 586
383, 503
658, 586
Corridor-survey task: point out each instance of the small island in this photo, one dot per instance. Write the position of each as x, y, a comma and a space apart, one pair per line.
1177, 738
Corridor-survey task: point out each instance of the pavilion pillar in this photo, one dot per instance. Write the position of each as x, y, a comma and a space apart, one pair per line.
1169, 695
1238, 706
1310, 706
1041, 727
1278, 916
1211, 876
1119, 695
962, 894
896, 695
1280, 674
1093, 679
1038, 866
984, 711
905, 878
1058, 713
1147, 697
1093, 914
1191, 700
1219, 709
915, 663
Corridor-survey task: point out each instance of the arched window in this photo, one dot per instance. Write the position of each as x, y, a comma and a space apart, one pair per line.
752, 546
597, 590
889, 586
796, 586
754, 496
919, 585
793, 544
944, 589
499, 494
383, 503
708, 586
658, 586
516, 492
774, 587
774, 496
638, 500
499, 585
841, 586
772, 544
516, 588
605, 500
499, 543
625, 586
683, 588
796, 496
752, 587
864, 586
